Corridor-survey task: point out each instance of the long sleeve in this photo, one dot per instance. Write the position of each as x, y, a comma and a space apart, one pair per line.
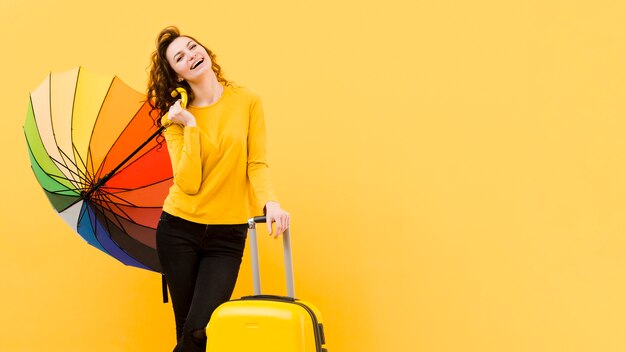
183, 144
257, 167
221, 174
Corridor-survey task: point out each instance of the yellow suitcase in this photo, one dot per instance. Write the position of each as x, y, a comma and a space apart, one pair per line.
265, 322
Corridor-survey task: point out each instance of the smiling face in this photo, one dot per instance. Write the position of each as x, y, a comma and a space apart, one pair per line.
187, 58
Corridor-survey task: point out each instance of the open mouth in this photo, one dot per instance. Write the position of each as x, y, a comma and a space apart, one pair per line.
197, 64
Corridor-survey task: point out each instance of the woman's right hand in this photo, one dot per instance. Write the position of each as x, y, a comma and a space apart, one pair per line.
181, 116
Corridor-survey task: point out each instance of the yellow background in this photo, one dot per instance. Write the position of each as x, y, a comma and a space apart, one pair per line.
456, 170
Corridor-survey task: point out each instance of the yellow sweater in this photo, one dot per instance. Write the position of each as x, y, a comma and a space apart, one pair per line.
220, 166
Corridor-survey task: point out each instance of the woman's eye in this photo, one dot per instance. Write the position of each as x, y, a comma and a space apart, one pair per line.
192, 46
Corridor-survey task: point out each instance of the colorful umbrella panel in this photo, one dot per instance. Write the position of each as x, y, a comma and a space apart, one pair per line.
82, 130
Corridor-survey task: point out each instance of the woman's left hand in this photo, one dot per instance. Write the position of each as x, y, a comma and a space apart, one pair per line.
274, 213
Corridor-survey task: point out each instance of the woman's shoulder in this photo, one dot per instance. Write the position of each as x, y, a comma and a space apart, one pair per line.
244, 92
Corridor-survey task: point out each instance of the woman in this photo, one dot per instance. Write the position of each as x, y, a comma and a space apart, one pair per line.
217, 148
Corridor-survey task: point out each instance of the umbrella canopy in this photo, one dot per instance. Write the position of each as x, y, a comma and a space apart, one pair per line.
92, 148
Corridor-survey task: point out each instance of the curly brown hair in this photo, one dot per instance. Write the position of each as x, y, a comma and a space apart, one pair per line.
162, 78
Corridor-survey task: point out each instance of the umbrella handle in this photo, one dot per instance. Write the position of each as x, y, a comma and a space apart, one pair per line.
183, 96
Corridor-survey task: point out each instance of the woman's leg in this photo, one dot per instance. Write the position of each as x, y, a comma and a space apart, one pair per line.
222, 250
177, 247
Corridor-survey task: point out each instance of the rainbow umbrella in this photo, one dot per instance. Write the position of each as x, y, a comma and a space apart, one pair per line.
92, 149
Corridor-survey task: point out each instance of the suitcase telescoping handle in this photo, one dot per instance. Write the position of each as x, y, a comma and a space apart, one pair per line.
254, 251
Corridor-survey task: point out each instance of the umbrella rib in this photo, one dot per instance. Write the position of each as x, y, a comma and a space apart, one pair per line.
79, 176
130, 121
96, 237
105, 196
121, 190
108, 205
56, 162
128, 237
57, 178
97, 169
62, 193
85, 177
134, 161
90, 155
139, 157
123, 164
103, 180
112, 197
41, 167
105, 204
54, 135
109, 198
98, 117
62, 165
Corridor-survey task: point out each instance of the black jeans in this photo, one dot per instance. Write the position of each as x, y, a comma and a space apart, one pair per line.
201, 264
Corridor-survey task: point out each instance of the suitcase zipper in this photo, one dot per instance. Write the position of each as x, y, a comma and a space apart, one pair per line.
318, 327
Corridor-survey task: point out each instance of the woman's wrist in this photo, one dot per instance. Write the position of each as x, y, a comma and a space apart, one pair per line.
271, 205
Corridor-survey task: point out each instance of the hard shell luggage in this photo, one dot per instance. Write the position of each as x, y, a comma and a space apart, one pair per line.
265, 322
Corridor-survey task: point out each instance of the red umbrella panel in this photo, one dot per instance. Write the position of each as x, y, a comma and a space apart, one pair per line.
93, 150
